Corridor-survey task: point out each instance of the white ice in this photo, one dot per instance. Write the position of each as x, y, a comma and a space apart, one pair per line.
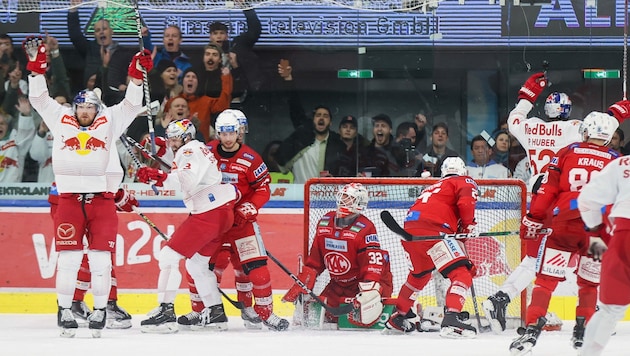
29, 334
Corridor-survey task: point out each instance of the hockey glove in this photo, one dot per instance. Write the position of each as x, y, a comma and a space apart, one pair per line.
160, 144
531, 228
36, 53
596, 245
139, 61
367, 305
149, 175
125, 200
245, 212
308, 277
469, 229
620, 110
533, 87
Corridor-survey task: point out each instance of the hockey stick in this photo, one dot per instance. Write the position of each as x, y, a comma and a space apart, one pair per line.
341, 310
145, 79
236, 304
149, 154
393, 225
136, 160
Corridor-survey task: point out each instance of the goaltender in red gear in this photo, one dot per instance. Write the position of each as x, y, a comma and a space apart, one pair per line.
347, 245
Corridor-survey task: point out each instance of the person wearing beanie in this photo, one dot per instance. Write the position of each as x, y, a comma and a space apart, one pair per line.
349, 132
163, 82
383, 157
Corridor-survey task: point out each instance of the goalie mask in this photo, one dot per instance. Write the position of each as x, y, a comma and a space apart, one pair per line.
558, 106
183, 129
454, 165
599, 125
352, 199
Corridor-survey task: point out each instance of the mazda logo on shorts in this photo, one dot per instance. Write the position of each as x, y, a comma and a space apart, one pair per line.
66, 231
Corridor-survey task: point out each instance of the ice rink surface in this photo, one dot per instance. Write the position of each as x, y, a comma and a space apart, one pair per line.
31, 334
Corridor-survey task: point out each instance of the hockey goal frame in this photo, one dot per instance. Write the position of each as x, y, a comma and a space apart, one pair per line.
486, 196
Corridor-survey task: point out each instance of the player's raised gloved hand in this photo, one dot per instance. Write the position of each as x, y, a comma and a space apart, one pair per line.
140, 60
149, 175
308, 277
620, 110
36, 53
367, 305
160, 145
125, 200
244, 213
596, 245
532, 228
533, 87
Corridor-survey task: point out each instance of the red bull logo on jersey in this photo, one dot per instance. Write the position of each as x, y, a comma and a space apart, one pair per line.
83, 144
6, 162
543, 129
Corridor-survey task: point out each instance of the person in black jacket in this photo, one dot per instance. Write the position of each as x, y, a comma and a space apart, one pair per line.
312, 150
239, 55
93, 51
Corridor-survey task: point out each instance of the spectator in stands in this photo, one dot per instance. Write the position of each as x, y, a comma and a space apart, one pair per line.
617, 142
268, 155
516, 151
8, 56
437, 151
406, 136
202, 106
163, 82
91, 51
501, 149
176, 109
13, 87
355, 142
171, 42
15, 141
212, 71
383, 156
481, 165
422, 136
239, 55
312, 150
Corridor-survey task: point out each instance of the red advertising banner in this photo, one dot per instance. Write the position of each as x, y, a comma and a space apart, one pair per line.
28, 261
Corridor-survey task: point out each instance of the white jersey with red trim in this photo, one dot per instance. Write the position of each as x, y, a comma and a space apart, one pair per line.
196, 173
81, 154
540, 139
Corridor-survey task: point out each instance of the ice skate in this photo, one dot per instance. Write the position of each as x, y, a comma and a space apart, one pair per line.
97, 322
117, 317
578, 332
211, 319
398, 324
524, 343
65, 320
276, 323
186, 320
81, 312
251, 319
457, 326
161, 320
495, 309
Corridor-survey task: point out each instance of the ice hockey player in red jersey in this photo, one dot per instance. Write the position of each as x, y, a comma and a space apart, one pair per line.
347, 235
569, 170
446, 207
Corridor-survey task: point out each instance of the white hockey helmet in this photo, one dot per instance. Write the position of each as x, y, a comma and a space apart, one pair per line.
454, 165
227, 121
89, 97
558, 105
242, 119
600, 126
181, 129
351, 199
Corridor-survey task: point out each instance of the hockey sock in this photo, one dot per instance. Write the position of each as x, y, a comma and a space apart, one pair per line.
461, 280
170, 278
407, 295
541, 295
205, 280
101, 268
83, 280
113, 292
243, 287
261, 282
195, 300
68, 264
587, 298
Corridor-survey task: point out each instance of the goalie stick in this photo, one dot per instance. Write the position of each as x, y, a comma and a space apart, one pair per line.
393, 225
341, 310
236, 304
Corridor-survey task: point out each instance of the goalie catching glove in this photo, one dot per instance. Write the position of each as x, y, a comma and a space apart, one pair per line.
367, 305
36, 53
308, 277
125, 200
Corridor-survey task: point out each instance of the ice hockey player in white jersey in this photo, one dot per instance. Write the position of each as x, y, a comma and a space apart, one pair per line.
541, 140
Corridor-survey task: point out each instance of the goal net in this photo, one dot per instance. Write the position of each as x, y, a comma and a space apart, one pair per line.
501, 204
